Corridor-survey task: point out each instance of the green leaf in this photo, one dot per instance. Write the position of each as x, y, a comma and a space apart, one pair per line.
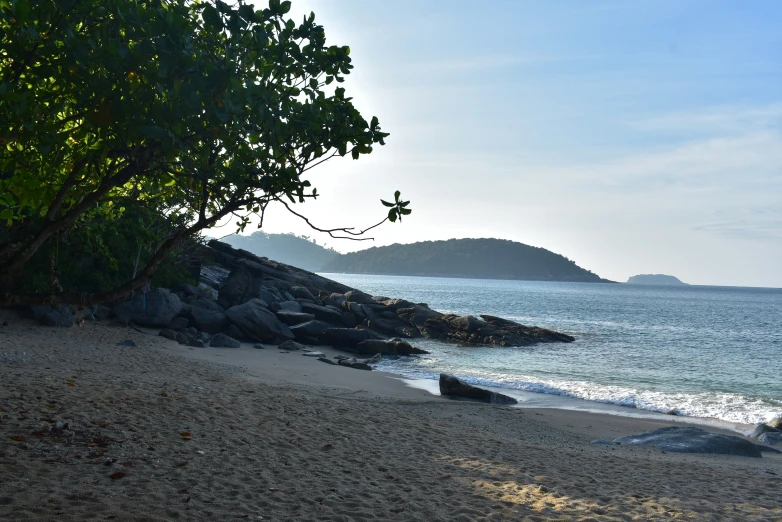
285, 7
386, 203
211, 18
392, 215
6, 214
404, 203
405, 211
396, 196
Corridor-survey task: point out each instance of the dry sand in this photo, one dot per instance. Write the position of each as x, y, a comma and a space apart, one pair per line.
164, 432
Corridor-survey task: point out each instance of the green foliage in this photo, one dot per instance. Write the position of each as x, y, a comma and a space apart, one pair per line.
198, 109
479, 258
397, 208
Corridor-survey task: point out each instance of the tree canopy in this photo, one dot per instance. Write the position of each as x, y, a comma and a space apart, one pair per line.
196, 109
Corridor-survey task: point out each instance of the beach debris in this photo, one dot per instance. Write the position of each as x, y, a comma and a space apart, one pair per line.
452, 386
117, 475
224, 341
686, 439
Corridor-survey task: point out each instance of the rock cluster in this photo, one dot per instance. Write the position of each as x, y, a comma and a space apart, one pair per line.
695, 440
247, 298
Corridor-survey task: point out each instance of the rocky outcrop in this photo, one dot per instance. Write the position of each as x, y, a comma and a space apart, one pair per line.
682, 439
388, 347
454, 387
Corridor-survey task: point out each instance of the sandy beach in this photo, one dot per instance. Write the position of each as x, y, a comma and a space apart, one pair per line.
91, 429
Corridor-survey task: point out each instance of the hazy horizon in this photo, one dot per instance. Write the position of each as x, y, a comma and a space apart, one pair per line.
632, 138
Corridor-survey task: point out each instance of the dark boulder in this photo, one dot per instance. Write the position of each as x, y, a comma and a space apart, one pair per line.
241, 286
293, 318
775, 423
300, 292
454, 387
255, 320
389, 347
182, 338
162, 307
224, 341
179, 323
346, 338
291, 345
359, 364
310, 331
209, 320
771, 437
760, 429
322, 313
196, 343
288, 306
528, 334
168, 334
235, 332
61, 316
685, 439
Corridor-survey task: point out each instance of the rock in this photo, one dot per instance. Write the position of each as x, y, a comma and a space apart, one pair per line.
168, 334
206, 304
190, 331
213, 276
771, 437
241, 286
359, 364
760, 429
61, 316
127, 342
290, 345
288, 306
310, 353
257, 322
259, 346
300, 292
529, 334
197, 343
310, 329
179, 323
209, 321
322, 313
221, 340
682, 439
207, 291
293, 318
349, 319
775, 423
322, 359
162, 307
181, 338
236, 333
452, 386
346, 338
389, 347
357, 296
204, 337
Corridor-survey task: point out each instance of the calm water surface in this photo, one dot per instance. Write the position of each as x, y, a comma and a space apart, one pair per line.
697, 350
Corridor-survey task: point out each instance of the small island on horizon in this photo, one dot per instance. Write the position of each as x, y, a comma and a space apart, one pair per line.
655, 279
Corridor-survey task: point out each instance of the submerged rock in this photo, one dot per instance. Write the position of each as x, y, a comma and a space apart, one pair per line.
686, 439
452, 386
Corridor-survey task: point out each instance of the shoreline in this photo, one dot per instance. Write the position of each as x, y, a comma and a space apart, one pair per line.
283, 367
157, 431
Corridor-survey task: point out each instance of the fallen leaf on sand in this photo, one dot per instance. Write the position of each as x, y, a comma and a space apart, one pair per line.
70, 384
17, 438
327, 446
117, 475
180, 464
275, 490
183, 491
127, 464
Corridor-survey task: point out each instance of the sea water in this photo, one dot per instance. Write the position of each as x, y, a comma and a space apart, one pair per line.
699, 351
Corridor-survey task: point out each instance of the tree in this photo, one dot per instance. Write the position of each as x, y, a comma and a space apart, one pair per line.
200, 109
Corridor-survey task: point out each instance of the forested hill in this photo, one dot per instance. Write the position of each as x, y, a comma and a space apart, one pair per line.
476, 258
290, 249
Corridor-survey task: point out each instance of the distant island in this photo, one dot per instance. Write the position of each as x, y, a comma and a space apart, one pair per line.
471, 258
655, 279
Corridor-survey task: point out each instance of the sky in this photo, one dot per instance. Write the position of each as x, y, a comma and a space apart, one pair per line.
631, 137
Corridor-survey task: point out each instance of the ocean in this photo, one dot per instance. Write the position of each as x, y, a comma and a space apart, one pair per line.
697, 351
